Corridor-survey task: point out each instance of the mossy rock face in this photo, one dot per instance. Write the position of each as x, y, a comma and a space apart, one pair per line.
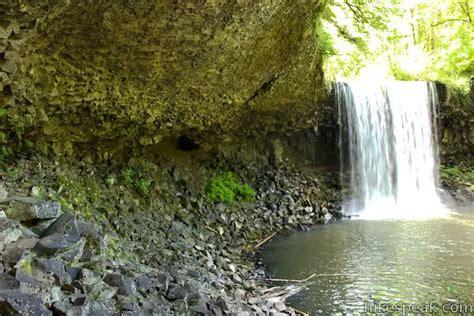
456, 124
117, 74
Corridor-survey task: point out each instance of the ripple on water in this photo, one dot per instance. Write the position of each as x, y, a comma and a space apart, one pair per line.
393, 261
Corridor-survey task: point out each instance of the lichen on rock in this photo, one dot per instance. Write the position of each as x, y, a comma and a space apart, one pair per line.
117, 74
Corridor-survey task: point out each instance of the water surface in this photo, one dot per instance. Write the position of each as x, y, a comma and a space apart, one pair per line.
357, 261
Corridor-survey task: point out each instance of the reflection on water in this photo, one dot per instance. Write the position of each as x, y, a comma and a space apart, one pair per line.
412, 262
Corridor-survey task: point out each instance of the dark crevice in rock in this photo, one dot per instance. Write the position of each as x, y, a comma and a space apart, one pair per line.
265, 87
185, 143
7, 91
187, 66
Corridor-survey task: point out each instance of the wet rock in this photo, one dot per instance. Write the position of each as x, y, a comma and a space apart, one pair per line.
327, 217
27, 211
338, 214
78, 300
15, 301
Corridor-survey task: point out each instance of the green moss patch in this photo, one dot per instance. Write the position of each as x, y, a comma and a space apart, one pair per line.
225, 188
457, 175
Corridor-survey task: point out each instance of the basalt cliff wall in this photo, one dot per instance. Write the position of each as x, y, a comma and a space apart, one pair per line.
103, 78
456, 119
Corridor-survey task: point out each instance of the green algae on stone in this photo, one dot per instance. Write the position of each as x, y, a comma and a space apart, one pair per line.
120, 75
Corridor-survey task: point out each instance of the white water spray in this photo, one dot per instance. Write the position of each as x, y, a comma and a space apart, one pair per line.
389, 149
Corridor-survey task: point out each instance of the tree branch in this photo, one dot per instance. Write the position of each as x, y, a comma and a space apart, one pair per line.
448, 21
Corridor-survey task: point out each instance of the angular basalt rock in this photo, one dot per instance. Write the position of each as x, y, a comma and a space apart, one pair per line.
24, 211
125, 285
64, 224
121, 74
9, 233
55, 243
56, 268
15, 301
8, 282
14, 251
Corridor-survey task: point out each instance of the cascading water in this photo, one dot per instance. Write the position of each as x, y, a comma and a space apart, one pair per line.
389, 151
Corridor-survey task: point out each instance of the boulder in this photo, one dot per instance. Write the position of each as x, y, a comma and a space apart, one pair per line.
30, 211
92, 234
38, 226
16, 302
14, 251
64, 224
144, 283
28, 272
327, 218
7, 282
176, 292
56, 268
9, 233
52, 244
125, 285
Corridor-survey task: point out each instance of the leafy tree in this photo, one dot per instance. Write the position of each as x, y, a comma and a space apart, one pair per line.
409, 39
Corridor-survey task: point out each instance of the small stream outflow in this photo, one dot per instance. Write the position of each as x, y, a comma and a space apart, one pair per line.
389, 149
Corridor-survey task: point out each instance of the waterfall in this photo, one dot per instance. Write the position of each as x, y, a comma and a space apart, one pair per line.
389, 149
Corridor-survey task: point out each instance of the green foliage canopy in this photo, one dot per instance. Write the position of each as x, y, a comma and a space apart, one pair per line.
402, 39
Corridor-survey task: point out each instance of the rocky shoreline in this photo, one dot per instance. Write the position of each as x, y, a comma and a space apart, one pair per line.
198, 260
